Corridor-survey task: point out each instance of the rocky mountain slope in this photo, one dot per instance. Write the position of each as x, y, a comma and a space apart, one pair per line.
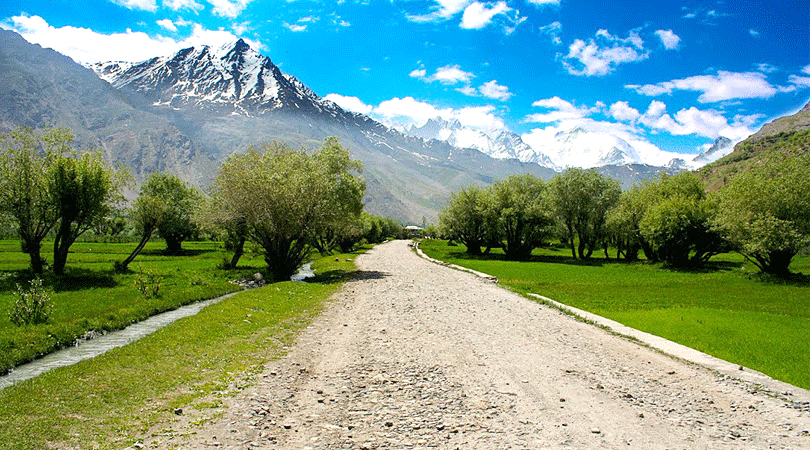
40, 87
187, 112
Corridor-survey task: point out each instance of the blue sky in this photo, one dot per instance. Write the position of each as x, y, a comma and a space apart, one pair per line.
671, 75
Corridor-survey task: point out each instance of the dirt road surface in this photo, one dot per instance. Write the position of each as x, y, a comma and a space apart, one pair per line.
413, 355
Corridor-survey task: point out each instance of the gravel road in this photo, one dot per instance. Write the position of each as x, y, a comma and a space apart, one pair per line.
414, 355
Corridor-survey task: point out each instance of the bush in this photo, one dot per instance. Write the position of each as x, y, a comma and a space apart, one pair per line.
32, 306
148, 283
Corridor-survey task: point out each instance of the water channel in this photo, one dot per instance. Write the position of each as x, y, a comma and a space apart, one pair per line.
86, 349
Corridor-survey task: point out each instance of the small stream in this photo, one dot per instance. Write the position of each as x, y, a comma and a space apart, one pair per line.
304, 272
94, 347
86, 349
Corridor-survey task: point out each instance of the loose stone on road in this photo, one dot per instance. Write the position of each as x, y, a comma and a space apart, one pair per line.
415, 355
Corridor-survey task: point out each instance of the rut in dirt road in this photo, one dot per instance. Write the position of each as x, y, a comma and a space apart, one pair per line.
416, 355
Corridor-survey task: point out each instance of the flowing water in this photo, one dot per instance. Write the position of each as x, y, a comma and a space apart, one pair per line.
86, 349
94, 347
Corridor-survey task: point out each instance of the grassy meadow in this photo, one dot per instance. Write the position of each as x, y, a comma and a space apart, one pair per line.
111, 401
92, 296
725, 310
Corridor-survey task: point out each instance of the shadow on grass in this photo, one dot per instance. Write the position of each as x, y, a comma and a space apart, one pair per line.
163, 252
341, 276
76, 279
709, 267
791, 279
554, 259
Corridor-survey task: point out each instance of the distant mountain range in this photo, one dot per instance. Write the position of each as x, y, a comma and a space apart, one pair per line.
185, 113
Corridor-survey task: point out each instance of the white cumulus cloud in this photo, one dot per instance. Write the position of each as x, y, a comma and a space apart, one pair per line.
559, 110
622, 111
86, 46
553, 31
144, 5
693, 121
442, 10
167, 24
715, 88
478, 15
177, 5
603, 53
449, 74
294, 27
404, 112
668, 38
349, 103
228, 8
493, 90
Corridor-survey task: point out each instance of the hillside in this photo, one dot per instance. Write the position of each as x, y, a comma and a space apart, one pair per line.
784, 137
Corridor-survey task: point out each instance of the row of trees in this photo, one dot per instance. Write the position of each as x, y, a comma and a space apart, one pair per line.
763, 213
47, 187
286, 201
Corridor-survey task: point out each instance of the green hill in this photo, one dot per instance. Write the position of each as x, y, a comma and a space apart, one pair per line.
784, 137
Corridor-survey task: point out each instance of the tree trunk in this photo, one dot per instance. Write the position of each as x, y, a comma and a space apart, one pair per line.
238, 251
125, 264
33, 250
61, 245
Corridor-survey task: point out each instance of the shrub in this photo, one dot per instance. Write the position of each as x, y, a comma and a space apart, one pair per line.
32, 306
148, 283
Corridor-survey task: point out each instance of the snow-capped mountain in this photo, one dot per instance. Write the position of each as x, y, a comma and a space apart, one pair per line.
579, 147
233, 78
722, 146
497, 144
230, 98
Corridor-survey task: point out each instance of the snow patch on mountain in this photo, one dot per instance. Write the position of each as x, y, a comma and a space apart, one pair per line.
233, 79
498, 144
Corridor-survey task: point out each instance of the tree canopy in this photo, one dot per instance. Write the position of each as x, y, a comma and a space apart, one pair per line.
44, 182
287, 198
765, 212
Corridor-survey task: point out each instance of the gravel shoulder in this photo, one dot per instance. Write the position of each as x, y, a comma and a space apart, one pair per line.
416, 355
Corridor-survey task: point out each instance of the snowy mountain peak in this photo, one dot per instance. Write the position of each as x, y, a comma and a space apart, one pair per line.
722, 146
233, 78
497, 144
580, 147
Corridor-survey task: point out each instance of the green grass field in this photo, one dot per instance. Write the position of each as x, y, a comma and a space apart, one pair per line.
92, 296
725, 310
112, 400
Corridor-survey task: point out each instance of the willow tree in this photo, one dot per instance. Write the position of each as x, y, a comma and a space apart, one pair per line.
765, 212
44, 183
288, 198
582, 199
523, 217
164, 204
466, 218
84, 192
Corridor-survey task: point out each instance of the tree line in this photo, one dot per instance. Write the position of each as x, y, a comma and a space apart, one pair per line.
286, 201
763, 213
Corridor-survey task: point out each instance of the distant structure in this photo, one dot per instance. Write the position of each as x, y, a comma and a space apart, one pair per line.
412, 231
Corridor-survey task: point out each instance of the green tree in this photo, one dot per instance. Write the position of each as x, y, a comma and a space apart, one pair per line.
45, 183
164, 204
176, 224
84, 192
288, 198
465, 218
677, 224
25, 171
582, 199
765, 212
523, 215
